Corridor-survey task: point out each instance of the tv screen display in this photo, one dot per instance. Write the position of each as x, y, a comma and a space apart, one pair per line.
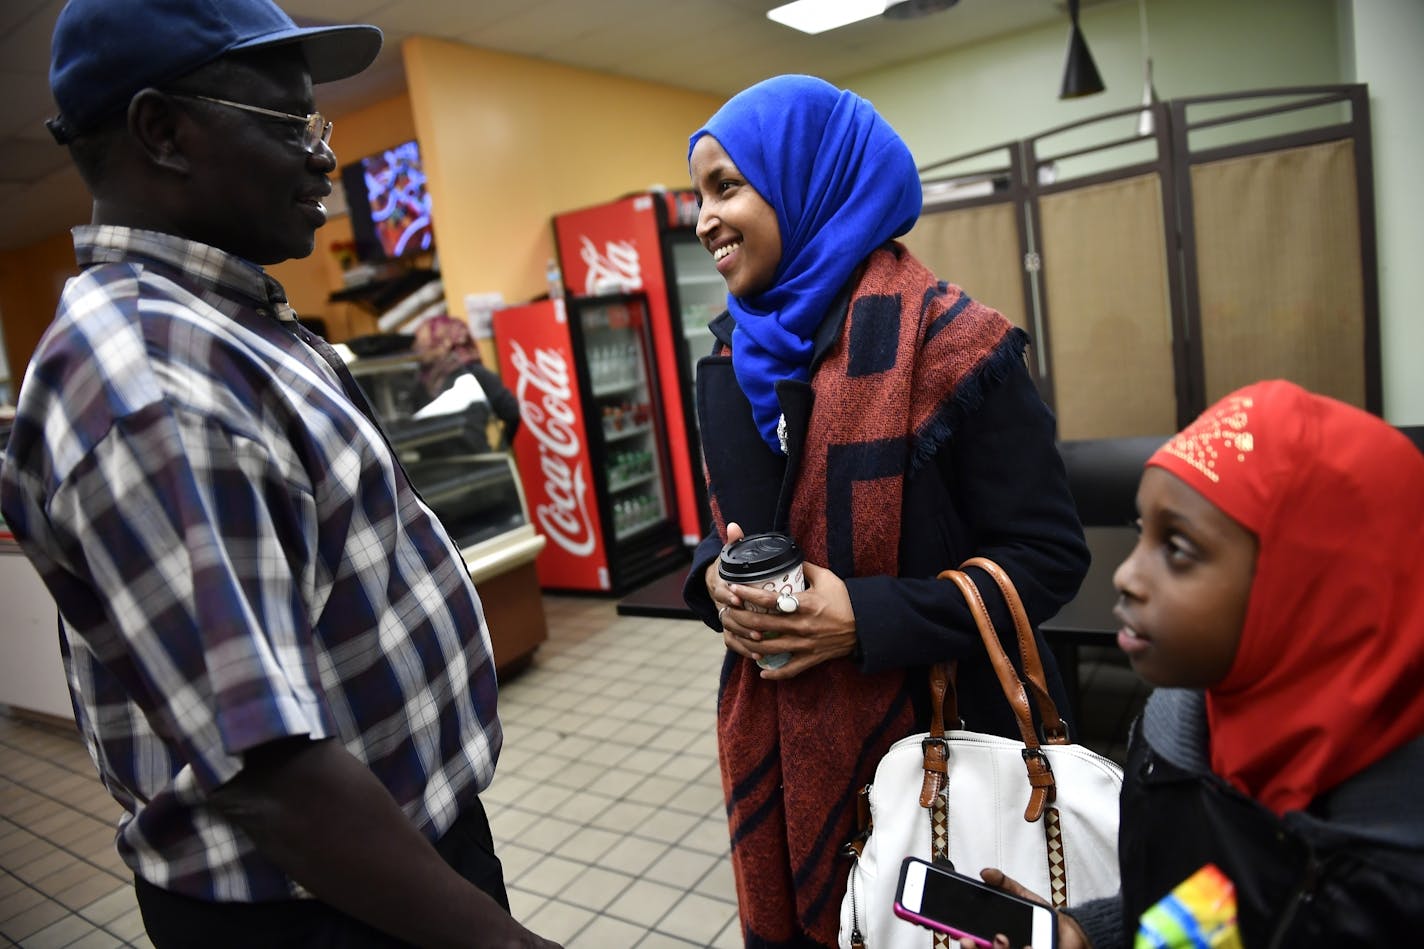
390, 207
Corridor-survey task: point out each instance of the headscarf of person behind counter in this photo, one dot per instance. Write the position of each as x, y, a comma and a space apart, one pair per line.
445, 348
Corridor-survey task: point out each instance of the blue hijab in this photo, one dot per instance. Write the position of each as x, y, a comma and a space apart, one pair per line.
842, 182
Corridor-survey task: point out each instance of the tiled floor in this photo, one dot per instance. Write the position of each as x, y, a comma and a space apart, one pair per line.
607, 807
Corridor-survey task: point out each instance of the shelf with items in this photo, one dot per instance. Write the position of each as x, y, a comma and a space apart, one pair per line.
619, 435
623, 484
632, 515
625, 419
623, 387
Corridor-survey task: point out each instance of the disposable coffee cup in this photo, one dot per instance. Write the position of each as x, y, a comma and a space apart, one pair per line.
770, 561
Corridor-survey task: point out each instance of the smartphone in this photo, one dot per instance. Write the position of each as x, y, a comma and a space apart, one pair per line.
938, 898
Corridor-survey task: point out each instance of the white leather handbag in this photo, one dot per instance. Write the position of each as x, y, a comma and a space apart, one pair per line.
1043, 811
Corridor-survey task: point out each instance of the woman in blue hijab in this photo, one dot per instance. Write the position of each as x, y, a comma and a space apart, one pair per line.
885, 421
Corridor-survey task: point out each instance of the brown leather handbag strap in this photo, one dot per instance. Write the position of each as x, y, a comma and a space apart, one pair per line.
936, 750
1043, 791
1054, 731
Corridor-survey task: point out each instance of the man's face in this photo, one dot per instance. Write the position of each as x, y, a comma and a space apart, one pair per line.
255, 189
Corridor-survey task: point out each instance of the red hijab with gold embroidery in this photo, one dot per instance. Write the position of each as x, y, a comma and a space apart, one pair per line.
1327, 677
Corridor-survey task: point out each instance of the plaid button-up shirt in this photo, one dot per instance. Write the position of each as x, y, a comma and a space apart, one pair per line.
236, 557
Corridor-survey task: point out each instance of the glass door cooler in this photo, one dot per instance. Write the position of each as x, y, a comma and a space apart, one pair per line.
592, 446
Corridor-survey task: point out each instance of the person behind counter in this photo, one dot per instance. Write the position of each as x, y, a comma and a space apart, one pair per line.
275, 653
1276, 600
889, 424
450, 367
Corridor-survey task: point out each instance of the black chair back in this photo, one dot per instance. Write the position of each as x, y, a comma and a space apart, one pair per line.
1103, 475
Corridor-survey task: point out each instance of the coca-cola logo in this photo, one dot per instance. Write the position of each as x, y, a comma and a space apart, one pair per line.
616, 270
544, 386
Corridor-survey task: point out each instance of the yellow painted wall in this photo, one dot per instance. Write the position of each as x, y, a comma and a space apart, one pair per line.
31, 279
508, 142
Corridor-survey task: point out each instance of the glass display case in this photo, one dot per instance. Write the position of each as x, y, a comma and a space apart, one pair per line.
444, 445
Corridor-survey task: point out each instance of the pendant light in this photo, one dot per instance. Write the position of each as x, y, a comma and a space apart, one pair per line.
1145, 118
1080, 74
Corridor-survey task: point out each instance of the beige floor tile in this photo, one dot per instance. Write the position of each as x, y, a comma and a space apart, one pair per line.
645, 902
106, 909
126, 926
590, 844
719, 883
516, 860
595, 888
10, 884
616, 783
550, 875
548, 834
98, 939
72, 827
14, 903
92, 888
730, 937
61, 932
73, 872
657, 940
25, 924
624, 817
523, 903
656, 790
697, 919
51, 861
633, 855
559, 921
708, 835
667, 825
605, 932
22, 847
681, 867
584, 807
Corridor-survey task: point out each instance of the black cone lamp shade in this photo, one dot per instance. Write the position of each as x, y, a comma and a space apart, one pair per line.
1080, 73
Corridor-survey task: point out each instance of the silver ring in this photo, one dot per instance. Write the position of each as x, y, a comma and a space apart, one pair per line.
721, 611
787, 603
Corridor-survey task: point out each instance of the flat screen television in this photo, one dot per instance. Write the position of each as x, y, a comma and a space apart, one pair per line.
389, 204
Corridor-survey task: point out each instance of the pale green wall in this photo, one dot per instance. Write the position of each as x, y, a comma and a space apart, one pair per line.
1007, 89
1388, 39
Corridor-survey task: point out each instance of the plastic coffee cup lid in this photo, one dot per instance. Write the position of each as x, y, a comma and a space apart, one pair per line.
758, 555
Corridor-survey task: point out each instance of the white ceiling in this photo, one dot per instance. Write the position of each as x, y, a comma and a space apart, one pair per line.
716, 46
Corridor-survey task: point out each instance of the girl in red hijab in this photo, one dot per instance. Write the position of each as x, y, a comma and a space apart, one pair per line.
1276, 598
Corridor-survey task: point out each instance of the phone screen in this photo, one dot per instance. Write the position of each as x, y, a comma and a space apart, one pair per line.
976, 909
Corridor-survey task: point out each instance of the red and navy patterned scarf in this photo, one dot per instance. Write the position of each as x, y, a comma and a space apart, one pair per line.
912, 358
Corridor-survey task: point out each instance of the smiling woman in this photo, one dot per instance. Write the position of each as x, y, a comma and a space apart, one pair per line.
885, 421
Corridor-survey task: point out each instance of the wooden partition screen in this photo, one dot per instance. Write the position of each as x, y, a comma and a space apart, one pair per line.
1278, 240
972, 230
1159, 268
1105, 295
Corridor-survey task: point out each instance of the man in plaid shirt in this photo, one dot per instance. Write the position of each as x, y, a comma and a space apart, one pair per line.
275, 653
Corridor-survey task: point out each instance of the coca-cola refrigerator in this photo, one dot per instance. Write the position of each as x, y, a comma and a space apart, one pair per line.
647, 242
591, 447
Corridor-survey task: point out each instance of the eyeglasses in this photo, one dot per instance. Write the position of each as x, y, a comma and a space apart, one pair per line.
317, 130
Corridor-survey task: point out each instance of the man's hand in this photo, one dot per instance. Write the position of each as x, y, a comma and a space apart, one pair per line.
323, 817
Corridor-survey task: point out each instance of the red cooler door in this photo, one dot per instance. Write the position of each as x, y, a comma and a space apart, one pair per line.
539, 363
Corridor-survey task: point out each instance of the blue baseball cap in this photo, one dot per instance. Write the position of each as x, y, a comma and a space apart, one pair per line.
104, 51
